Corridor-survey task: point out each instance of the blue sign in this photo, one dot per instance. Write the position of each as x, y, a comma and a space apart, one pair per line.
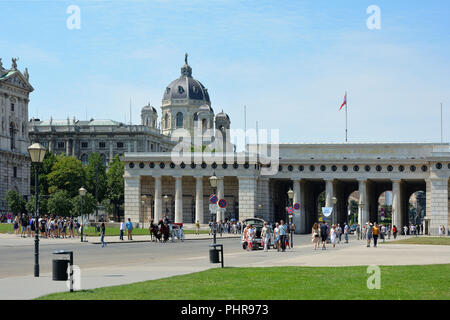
222, 203
213, 199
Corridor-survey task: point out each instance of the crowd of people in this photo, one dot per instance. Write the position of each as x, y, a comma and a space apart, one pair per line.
50, 226
323, 233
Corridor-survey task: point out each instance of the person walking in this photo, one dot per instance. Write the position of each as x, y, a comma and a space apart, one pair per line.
346, 232
265, 236
394, 231
276, 236
333, 235
129, 227
103, 232
16, 225
250, 237
24, 223
197, 227
315, 235
283, 234
358, 231
324, 234
375, 233
368, 234
122, 229
383, 233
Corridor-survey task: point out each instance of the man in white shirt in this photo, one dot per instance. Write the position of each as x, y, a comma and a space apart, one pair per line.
122, 229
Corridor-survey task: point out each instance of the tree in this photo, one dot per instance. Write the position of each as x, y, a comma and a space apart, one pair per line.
96, 176
44, 169
60, 203
31, 205
15, 201
115, 183
67, 174
89, 204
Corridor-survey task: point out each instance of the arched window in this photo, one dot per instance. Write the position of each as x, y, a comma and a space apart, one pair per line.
166, 121
204, 125
179, 120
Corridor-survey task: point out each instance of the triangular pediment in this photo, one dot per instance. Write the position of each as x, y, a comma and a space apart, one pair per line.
16, 78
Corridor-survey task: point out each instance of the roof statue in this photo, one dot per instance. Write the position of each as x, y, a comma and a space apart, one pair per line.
26, 74
14, 63
185, 58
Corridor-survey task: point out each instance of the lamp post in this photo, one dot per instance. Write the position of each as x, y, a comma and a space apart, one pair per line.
82, 192
37, 154
143, 214
291, 203
334, 200
213, 183
166, 200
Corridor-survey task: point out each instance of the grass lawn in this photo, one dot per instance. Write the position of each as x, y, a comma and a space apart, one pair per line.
445, 241
4, 228
283, 283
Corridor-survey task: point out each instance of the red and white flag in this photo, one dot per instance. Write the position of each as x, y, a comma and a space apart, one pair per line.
345, 102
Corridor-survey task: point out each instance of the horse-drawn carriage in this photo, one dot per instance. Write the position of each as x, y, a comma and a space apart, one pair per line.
162, 231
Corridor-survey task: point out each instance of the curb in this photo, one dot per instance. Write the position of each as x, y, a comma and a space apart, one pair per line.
168, 241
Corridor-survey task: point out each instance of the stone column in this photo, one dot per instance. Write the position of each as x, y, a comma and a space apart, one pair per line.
438, 205
158, 200
329, 194
110, 151
67, 148
363, 214
396, 204
199, 200
264, 199
132, 198
135, 146
178, 200
220, 195
247, 197
50, 145
74, 153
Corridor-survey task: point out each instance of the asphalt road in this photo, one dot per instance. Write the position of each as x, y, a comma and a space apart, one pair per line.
18, 260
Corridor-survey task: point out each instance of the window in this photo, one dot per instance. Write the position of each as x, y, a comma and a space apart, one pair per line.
61, 145
179, 120
102, 145
166, 121
119, 145
12, 106
12, 132
15, 172
84, 145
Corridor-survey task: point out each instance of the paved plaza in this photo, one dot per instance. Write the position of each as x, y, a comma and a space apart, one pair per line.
124, 263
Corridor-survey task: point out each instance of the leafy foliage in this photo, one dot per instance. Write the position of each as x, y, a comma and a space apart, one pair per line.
89, 204
67, 174
15, 201
60, 203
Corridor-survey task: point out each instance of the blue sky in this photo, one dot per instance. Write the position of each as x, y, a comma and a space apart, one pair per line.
289, 62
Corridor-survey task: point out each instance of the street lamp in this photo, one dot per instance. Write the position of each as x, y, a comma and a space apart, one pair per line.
334, 200
166, 200
291, 202
143, 213
213, 183
37, 154
82, 192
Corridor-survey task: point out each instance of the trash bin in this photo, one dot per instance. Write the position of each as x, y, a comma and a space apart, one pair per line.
214, 255
60, 269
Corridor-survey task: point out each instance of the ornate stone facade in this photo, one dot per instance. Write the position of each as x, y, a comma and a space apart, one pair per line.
14, 159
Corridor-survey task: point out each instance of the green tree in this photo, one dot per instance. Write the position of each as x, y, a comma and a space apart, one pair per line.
15, 201
44, 169
60, 203
115, 184
89, 204
96, 176
31, 205
67, 174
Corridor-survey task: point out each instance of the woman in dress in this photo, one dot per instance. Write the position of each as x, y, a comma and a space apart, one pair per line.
250, 237
315, 235
16, 225
333, 235
276, 236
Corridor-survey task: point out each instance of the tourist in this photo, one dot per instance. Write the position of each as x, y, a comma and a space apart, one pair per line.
389, 232
16, 225
265, 236
375, 233
276, 236
394, 231
339, 233
210, 228
405, 230
315, 235
28, 226
333, 236
122, 229
129, 226
368, 234
250, 237
358, 231
283, 234
197, 227
103, 232
383, 232
346, 232
441, 231
324, 234
24, 223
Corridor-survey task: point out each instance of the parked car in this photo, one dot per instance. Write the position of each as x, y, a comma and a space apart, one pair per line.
257, 242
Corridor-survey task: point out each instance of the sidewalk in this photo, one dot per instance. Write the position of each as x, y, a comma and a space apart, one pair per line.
11, 239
